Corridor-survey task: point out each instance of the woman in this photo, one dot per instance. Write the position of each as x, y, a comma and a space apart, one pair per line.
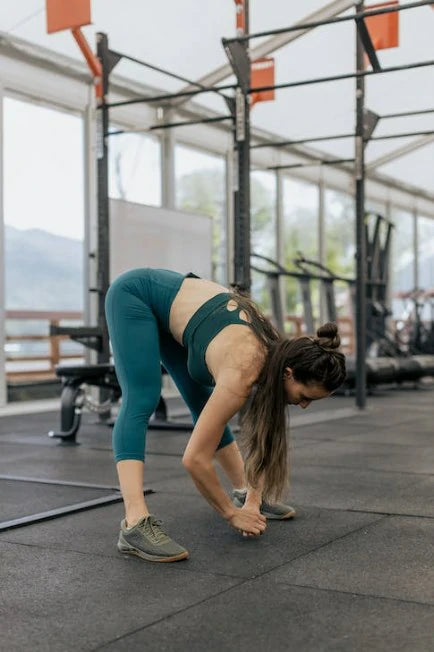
223, 355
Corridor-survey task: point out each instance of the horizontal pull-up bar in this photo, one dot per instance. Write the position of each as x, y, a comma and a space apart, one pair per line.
317, 139
407, 135
405, 114
170, 125
170, 96
318, 163
163, 71
306, 276
302, 141
330, 21
361, 73
351, 75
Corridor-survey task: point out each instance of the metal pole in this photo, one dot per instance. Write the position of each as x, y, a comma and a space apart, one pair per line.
229, 221
416, 249
280, 239
242, 275
3, 384
103, 251
360, 317
168, 165
91, 225
321, 241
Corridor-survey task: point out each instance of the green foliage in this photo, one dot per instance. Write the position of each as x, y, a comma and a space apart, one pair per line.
340, 233
203, 191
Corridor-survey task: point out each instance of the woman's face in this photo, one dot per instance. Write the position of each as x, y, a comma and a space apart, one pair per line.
300, 393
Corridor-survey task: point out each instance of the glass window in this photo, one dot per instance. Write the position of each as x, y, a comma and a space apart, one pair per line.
300, 236
374, 206
425, 236
135, 168
425, 233
340, 233
402, 265
263, 230
43, 207
340, 245
44, 226
201, 188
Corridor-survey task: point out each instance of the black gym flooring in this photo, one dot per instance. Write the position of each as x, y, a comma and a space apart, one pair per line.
354, 571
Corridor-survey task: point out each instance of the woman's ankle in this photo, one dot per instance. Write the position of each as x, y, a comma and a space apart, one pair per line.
132, 519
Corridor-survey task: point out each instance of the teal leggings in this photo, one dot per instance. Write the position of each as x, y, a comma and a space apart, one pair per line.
137, 311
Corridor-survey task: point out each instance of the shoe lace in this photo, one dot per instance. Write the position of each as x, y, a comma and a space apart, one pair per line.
152, 527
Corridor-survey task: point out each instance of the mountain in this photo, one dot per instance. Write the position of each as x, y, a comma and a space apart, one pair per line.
43, 271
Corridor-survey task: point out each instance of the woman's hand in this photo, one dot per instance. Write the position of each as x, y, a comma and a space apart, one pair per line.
248, 521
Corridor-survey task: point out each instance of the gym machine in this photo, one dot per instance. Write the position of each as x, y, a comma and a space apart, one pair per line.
384, 369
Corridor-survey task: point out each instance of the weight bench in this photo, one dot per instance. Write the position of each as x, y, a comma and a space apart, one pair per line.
74, 399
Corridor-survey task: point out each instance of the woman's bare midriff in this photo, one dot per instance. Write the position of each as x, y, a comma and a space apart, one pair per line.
229, 344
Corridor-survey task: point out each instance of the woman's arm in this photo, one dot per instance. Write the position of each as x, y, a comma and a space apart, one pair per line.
222, 405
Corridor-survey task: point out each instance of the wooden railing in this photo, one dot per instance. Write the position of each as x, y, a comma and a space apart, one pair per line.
345, 325
54, 355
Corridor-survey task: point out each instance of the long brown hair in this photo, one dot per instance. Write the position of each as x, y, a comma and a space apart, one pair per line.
264, 425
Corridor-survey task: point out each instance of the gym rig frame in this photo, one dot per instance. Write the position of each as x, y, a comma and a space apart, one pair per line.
102, 374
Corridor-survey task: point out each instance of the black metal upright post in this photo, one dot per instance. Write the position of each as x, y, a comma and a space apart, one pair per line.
103, 248
242, 274
360, 317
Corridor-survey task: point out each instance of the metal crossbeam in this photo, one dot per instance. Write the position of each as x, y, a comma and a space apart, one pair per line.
163, 71
329, 21
170, 125
351, 75
275, 43
405, 114
302, 141
404, 135
165, 97
401, 151
309, 165
369, 47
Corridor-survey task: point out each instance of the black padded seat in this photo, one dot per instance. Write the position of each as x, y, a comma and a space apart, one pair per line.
88, 371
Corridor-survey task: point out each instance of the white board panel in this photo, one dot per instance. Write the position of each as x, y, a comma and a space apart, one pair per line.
148, 236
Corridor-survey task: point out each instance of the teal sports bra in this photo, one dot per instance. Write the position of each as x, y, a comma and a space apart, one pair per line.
203, 326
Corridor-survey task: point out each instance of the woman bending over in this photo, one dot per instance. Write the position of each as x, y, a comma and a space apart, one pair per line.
223, 355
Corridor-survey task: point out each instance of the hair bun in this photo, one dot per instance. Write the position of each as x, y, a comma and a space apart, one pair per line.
328, 336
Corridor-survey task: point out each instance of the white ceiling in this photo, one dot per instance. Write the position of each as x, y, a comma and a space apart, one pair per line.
185, 37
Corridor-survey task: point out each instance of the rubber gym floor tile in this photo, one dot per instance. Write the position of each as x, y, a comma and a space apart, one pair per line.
368, 456
393, 558
75, 464
63, 601
414, 435
37, 424
25, 498
369, 491
214, 546
262, 615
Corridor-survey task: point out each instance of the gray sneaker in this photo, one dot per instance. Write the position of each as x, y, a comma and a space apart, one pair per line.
148, 540
277, 511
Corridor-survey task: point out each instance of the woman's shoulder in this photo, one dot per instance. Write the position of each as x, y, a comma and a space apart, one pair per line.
244, 359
